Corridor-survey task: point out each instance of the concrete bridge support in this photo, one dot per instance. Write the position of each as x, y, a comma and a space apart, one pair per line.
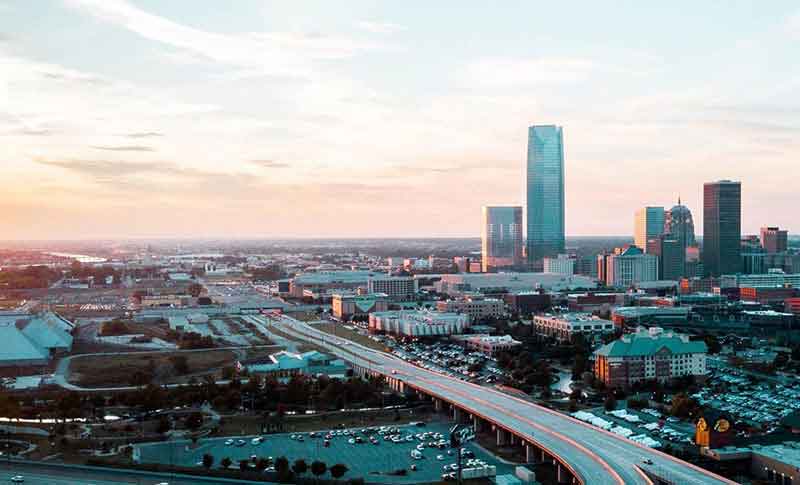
502, 437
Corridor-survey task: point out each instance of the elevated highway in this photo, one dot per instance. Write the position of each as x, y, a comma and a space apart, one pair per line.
582, 453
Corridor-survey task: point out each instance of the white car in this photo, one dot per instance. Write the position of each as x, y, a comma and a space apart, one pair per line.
228, 442
440, 457
18, 479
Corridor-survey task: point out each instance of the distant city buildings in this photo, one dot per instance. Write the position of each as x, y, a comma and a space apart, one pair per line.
562, 264
491, 284
346, 306
628, 265
649, 355
722, 227
545, 193
564, 327
774, 240
501, 239
414, 323
648, 224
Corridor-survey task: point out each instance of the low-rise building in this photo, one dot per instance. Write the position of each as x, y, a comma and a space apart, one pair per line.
286, 364
649, 355
490, 344
33, 339
345, 306
565, 327
501, 283
477, 307
562, 264
634, 316
527, 302
766, 294
414, 323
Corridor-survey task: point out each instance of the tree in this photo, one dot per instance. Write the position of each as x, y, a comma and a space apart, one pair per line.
281, 465
194, 421
226, 463
244, 465
318, 468
195, 289
208, 461
338, 471
180, 363
300, 467
610, 403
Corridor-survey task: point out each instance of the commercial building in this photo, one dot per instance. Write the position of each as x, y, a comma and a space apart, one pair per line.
33, 339
527, 302
649, 355
634, 316
774, 278
501, 283
792, 305
346, 306
398, 288
287, 364
630, 265
321, 282
565, 327
648, 224
774, 239
671, 257
545, 193
413, 323
501, 238
490, 344
590, 302
165, 300
722, 227
767, 294
562, 264
477, 307
679, 223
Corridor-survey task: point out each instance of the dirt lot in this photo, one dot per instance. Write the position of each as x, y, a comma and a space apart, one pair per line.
340, 331
118, 370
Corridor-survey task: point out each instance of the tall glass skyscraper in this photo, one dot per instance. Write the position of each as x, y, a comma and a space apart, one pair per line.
545, 183
722, 228
501, 240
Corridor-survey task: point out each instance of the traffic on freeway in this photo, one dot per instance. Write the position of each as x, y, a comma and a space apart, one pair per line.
594, 455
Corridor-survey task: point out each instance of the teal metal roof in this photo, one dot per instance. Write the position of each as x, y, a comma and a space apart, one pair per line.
643, 344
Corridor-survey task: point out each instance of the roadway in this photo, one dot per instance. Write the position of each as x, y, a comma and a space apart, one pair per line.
594, 455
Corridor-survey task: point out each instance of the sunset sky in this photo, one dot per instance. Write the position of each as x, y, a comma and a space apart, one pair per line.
246, 118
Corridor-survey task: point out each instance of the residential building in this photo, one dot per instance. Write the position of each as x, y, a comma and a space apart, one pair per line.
649, 355
418, 323
648, 224
491, 284
630, 265
545, 193
774, 239
477, 307
562, 264
32, 340
346, 306
398, 288
501, 238
722, 227
564, 327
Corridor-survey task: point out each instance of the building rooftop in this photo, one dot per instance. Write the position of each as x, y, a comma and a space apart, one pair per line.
651, 341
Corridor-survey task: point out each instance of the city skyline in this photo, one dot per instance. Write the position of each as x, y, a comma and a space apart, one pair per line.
147, 120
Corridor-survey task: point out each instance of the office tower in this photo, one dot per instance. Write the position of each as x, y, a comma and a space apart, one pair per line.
774, 240
648, 224
545, 193
722, 227
678, 222
501, 238
671, 256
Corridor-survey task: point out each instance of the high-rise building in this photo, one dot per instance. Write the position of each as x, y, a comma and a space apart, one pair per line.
648, 224
722, 227
545, 193
678, 222
671, 257
501, 239
774, 240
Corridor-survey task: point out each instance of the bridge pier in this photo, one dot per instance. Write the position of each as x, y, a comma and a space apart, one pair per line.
562, 475
502, 437
437, 405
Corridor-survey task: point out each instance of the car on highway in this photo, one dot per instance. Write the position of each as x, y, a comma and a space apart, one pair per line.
647, 461
18, 479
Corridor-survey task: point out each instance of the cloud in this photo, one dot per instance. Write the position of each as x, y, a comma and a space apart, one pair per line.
270, 164
510, 72
144, 134
380, 27
125, 148
104, 169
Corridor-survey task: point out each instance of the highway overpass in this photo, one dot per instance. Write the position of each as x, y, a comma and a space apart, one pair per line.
582, 453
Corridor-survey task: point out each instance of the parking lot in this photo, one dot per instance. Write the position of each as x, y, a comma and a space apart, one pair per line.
370, 453
647, 426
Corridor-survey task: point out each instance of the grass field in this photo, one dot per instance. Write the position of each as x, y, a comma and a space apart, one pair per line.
341, 331
117, 370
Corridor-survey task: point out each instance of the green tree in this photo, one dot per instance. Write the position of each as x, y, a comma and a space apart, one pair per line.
318, 468
300, 467
208, 461
338, 471
244, 465
281, 465
226, 463
610, 403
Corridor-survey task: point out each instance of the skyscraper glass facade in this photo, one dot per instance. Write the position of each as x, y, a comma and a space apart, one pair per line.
501, 240
722, 228
545, 193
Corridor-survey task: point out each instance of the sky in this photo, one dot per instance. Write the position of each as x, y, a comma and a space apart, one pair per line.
300, 118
